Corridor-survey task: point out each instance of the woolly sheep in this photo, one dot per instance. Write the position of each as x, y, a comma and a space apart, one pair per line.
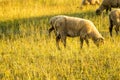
92, 2
107, 4
114, 20
73, 27
52, 21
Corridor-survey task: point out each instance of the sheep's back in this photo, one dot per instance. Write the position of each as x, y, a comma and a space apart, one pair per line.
79, 23
53, 19
73, 23
112, 3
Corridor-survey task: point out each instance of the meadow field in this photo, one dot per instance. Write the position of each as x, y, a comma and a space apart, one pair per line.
28, 53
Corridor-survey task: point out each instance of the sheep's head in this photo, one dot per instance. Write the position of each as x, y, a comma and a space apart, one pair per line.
100, 9
98, 12
99, 41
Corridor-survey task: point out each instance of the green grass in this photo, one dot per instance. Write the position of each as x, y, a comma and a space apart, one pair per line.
28, 53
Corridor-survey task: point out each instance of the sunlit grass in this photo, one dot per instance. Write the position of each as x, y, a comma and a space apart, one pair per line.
28, 53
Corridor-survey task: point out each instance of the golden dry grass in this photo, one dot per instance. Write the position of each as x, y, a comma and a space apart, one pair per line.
28, 53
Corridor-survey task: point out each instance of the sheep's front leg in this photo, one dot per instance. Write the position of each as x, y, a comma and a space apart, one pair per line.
57, 41
81, 41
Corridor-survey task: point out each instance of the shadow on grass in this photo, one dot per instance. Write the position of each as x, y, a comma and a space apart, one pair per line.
13, 27
17, 26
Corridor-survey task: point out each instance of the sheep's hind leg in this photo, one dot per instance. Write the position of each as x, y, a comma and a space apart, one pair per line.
57, 41
63, 38
81, 41
87, 42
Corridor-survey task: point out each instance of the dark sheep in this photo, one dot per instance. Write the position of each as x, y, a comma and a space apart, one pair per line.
107, 5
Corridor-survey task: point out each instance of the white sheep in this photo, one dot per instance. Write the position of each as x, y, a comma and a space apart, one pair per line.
114, 20
91, 2
73, 27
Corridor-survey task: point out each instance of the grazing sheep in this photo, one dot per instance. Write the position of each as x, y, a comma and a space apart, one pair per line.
107, 4
114, 19
52, 21
92, 2
73, 27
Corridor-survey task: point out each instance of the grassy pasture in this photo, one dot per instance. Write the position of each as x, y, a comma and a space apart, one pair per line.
28, 53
